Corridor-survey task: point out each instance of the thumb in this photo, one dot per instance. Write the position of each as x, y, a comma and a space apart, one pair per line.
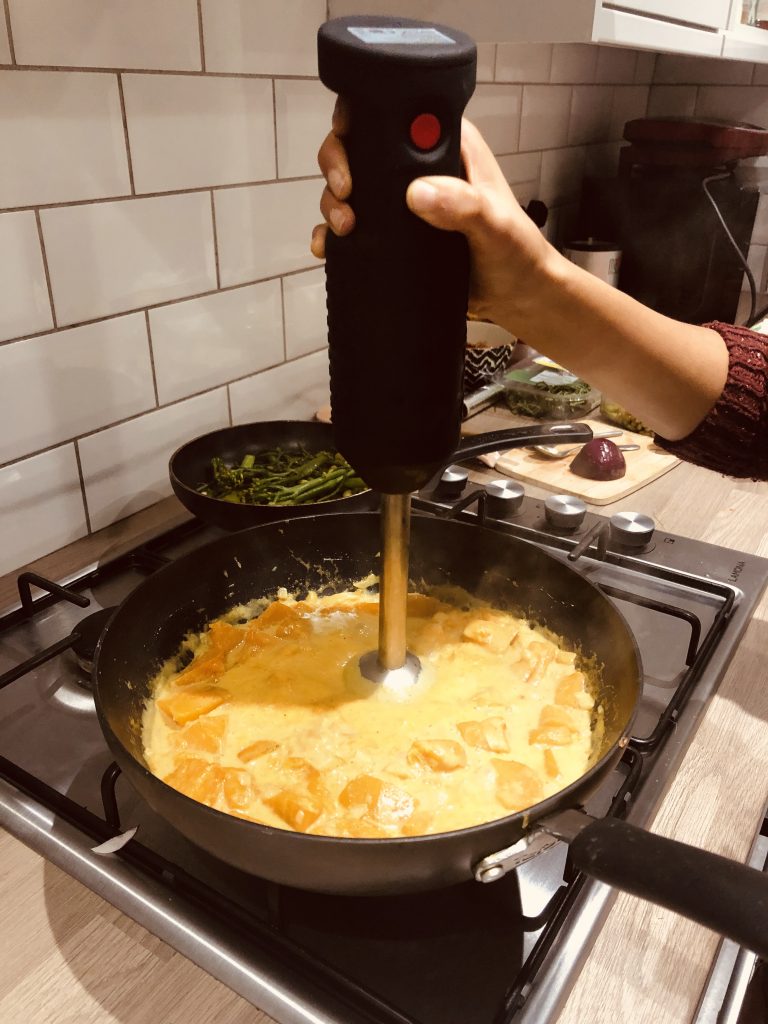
448, 203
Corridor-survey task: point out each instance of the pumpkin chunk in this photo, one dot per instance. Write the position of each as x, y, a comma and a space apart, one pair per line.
551, 766
297, 809
488, 734
555, 727
571, 692
492, 630
382, 800
257, 749
422, 606
188, 704
281, 620
204, 734
517, 785
212, 784
437, 755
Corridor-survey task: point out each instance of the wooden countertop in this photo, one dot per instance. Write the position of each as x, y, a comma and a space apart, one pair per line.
69, 956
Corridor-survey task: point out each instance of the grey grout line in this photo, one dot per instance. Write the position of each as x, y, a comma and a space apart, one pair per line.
82, 486
160, 305
46, 271
76, 438
215, 243
125, 132
200, 31
152, 358
157, 71
11, 47
124, 198
274, 127
282, 315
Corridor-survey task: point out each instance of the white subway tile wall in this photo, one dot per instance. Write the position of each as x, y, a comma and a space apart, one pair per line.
105, 258
264, 231
5, 46
304, 305
125, 468
158, 187
190, 131
24, 304
201, 343
107, 33
63, 138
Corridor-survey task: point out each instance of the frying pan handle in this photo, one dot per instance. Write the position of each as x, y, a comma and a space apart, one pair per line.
521, 437
728, 897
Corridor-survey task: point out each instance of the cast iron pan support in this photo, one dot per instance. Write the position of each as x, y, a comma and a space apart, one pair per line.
729, 898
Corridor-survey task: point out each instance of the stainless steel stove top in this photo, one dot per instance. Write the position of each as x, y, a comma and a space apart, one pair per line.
475, 954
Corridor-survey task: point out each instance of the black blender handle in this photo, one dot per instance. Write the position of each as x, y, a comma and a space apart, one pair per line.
522, 437
724, 895
397, 287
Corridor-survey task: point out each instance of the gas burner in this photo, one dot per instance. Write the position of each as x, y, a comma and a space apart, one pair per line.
85, 637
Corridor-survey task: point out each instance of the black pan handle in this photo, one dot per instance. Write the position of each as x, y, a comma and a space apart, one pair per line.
728, 897
522, 437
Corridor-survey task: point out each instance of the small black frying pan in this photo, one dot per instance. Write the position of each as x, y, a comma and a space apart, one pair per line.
190, 465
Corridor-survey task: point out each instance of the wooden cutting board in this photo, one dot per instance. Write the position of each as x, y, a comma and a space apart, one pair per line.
643, 466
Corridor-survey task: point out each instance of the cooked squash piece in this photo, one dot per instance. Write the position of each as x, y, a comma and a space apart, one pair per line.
551, 766
437, 755
280, 620
555, 727
197, 779
572, 693
305, 773
237, 788
539, 655
422, 606
488, 734
383, 801
223, 637
204, 734
299, 810
186, 705
204, 669
492, 630
257, 749
517, 785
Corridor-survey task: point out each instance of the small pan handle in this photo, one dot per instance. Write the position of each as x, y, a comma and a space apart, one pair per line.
728, 897
522, 437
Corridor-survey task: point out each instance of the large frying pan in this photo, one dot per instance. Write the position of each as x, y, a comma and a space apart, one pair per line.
333, 551
190, 465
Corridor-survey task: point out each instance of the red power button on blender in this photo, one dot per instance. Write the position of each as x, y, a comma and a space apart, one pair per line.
425, 131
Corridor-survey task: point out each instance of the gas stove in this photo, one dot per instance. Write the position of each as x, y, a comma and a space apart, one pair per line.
508, 951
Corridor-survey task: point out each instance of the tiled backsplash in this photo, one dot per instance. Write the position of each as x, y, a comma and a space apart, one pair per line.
158, 187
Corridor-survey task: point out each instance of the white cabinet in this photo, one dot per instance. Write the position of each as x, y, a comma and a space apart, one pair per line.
701, 27
709, 13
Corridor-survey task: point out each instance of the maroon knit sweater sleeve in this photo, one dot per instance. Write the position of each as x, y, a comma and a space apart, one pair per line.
733, 439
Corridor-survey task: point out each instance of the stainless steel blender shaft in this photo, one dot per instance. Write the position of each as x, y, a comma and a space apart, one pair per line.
393, 657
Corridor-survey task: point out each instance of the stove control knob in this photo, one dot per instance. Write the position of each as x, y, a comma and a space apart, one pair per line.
564, 512
452, 482
631, 529
504, 498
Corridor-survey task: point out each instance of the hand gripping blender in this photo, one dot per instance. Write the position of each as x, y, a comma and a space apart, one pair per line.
396, 287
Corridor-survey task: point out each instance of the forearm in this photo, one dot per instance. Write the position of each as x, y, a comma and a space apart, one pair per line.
669, 374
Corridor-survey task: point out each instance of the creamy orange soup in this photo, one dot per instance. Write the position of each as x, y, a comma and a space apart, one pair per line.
272, 721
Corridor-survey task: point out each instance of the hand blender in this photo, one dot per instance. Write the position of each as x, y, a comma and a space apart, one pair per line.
396, 287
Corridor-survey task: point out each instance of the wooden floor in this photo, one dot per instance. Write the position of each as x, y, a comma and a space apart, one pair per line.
67, 957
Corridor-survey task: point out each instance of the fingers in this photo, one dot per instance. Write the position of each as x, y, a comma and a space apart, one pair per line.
340, 119
317, 243
447, 203
339, 215
332, 159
